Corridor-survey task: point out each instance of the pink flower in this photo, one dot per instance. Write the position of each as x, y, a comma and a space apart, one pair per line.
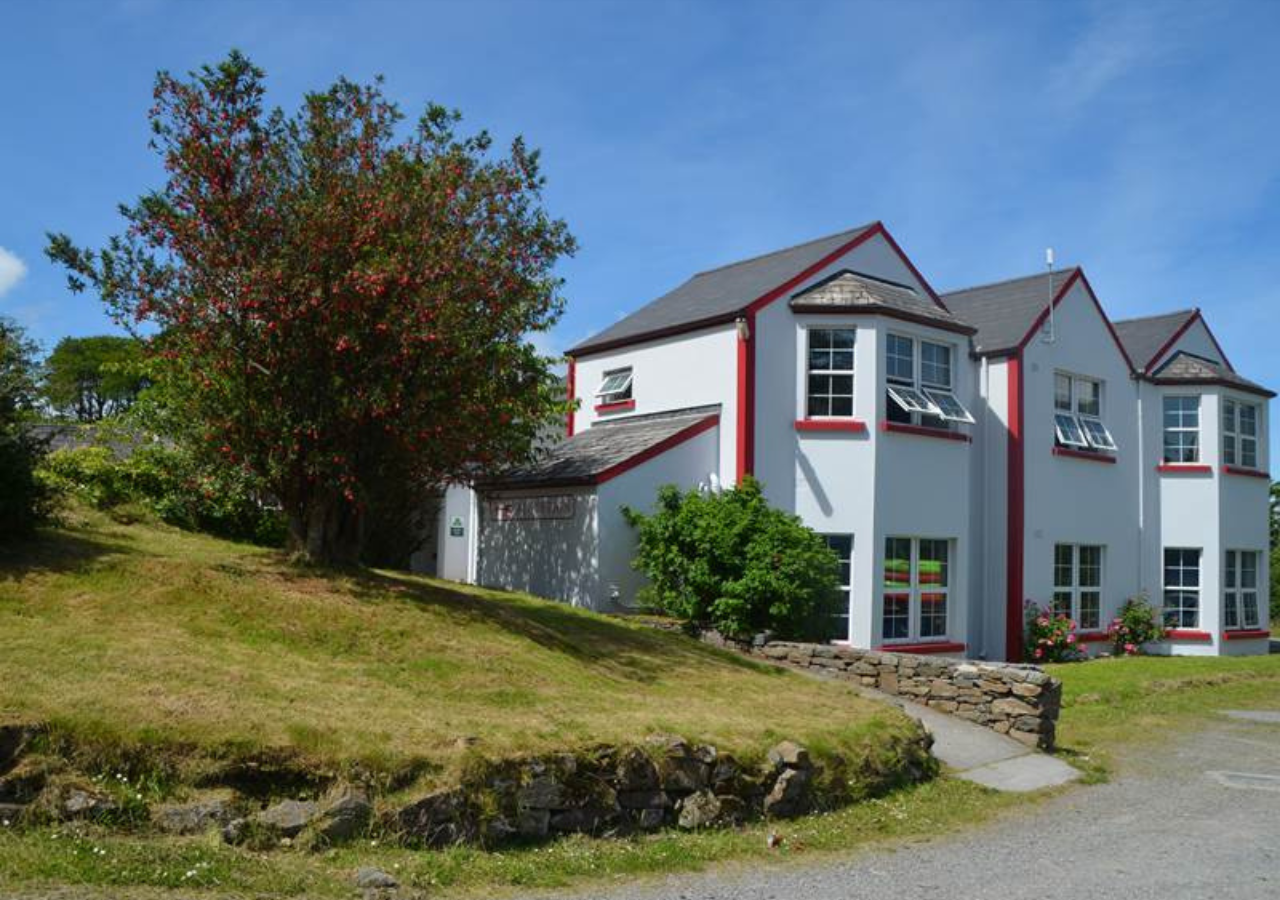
1039, 653
1071, 639
1130, 648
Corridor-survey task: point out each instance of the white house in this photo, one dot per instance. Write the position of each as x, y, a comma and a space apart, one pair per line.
961, 452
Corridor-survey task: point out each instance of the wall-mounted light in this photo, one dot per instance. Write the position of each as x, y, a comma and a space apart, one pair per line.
744, 330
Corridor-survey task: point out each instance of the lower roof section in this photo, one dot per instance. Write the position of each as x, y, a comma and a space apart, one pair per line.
608, 449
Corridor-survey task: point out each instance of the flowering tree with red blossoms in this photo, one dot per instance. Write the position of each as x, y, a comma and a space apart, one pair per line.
339, 308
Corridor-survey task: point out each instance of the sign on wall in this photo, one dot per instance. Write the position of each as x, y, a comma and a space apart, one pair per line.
521, 509
456, 528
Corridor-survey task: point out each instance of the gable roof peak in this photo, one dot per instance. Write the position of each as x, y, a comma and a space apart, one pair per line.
847, 233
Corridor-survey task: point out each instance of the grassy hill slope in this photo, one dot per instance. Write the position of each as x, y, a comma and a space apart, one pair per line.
142, 635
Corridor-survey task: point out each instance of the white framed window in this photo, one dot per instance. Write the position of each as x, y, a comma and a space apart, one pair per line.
1077, 584
920, 383
829, 373
917, 587
842, 546
1077, 414
1240, 590
1239, 433
1181, 587
615, 387
1181, 429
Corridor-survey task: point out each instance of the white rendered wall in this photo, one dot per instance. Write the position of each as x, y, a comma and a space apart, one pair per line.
687, 465
1077, 501
991, 454
553, 558
457, 552
696, 369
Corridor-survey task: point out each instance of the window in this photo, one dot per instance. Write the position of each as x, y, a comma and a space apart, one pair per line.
1239, 434
1181, 588
830, 373
842, 546
1240, 599
615, 388
1181, 429
926, 394
1077, 584
917, 580
1077, 414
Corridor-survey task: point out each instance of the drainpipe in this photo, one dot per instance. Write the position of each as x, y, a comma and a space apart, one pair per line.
1142, 482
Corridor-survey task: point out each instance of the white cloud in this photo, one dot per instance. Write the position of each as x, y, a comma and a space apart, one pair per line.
12, 270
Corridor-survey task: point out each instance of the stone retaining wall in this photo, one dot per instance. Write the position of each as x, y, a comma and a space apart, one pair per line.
1017, 700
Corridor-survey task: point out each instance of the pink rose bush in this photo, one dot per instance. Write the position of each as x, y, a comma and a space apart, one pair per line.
1051, 638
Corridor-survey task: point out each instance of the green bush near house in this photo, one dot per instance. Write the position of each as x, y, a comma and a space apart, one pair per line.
729, 560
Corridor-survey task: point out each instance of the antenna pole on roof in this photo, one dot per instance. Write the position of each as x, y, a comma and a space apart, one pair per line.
1050, 329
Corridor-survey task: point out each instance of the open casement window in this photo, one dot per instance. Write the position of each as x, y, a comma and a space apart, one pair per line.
917, 582
1181, 429
920, 386
1077, 414
615, 387
842, 546
1181, 588
1239, 434
1240, 590
1077, 584
829, 373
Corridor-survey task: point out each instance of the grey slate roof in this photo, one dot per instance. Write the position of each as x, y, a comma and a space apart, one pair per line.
719, 294
1187, 368
855, 291
1143, 337
1004, 312
588, 454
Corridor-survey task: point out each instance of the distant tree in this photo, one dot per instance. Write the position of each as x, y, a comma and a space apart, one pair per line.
342, 311
24, 501
91, 378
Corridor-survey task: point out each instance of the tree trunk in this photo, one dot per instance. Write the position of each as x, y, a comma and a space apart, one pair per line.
327, 531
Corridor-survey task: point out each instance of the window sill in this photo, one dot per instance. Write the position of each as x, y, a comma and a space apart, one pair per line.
1187, 634
849, 426
1247, 634
1092, 637
620, 406
1184, 469
928, 647
1248, 473
924, 431
1084, 454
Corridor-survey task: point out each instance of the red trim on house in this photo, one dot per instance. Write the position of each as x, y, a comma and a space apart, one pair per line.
1077, 275
910, 265
1173, 339
1187, 634
657, 449
1214, 338
851, 426
929, 647
1184, 468
620, 406
925, 431
765, 299
1250, 473
1015, 474
1092, 637
1258, 391
745, 436
1090, 455
572, 379
1246, 634
886, 312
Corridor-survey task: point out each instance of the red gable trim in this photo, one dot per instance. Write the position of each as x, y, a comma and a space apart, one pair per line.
1077, 275
1196, 316
657, 449
1213, 337
573, 378
1015, 473
746, 420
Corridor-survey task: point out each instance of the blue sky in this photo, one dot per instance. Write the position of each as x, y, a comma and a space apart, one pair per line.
1137, 139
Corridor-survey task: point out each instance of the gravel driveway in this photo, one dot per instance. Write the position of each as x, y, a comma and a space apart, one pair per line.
1181, 822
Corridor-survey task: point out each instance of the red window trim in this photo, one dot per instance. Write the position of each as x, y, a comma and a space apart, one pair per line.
924, 431
620, 406
1092, 637
1250, 473
1246, 634
1090, 455
1185, 468
927, 647
1187, 634
852, 426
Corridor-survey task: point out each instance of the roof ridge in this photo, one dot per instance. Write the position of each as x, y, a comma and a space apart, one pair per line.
826, 237
1190, 311
705, 409
1003, 281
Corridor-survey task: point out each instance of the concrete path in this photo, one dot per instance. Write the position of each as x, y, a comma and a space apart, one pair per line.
980, 755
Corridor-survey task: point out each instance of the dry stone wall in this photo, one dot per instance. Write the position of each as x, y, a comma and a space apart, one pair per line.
1020, 701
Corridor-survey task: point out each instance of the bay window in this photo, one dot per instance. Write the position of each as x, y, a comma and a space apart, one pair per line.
920, 383
842, 546
917, 585
1240, 590
1077, 584
829, 373
1181, 587
1182, 429
1239, 434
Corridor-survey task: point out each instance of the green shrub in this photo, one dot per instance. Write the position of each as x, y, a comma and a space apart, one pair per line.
1138, 623
728, 560
25, 500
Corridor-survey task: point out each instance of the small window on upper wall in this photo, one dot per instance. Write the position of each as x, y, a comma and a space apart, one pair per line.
829, 373
1239, 433
615, 387
1077, 418
926, 390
